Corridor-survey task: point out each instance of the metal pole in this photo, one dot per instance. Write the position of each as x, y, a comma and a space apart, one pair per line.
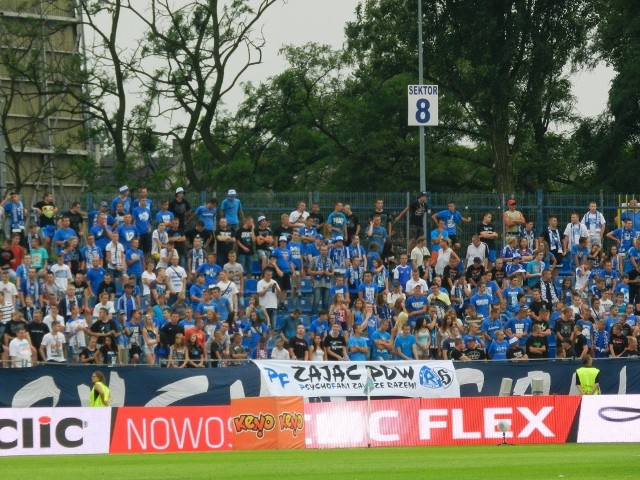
3, 176
423, 175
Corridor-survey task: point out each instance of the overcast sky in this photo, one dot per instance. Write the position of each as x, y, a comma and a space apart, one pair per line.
301, 21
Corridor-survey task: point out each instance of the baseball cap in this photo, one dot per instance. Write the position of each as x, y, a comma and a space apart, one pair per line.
261, 217
123, 188
179, 190
511, 202
121, 312
104, 204
319, 236
517, 255
395, 283
477, 260
422, 194
283, 239
231, 193
513, 340
339, 238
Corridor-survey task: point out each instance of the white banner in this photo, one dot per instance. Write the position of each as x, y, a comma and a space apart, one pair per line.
423, 379
47, 431
609, 418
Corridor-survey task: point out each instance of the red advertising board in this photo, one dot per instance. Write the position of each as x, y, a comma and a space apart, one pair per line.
172, 429
451, 421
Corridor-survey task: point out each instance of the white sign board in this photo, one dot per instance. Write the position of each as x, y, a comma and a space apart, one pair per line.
423, 105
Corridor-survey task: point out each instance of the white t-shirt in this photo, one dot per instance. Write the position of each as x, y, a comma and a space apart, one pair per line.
280, 354
62, 275
53, 343
9, 290
411, 284
417, 256
145, 287
228, 290
109, 306
269, 299
77, 337
117, 254
176, 274
20, 352
48, 319
157, 239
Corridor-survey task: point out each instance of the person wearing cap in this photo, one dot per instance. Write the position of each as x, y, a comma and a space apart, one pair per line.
264, 241
16, 213
515, 268
181, 208
339, 255
473, 350
417, 213
46, 211
512, 218
515, 351
231, 209
284, 267
337, 222
123, 198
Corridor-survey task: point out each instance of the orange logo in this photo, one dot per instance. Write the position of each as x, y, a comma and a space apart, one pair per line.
252, 423
291, 421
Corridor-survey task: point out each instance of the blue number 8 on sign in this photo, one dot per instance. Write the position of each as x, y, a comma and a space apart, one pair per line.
422, 114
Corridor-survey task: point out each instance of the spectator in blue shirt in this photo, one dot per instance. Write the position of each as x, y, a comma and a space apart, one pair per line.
231, 209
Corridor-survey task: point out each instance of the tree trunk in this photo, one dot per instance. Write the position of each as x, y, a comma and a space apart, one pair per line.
503, 160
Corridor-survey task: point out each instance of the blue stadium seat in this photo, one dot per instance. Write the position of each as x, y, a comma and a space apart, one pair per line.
306, 321
250, 286
291, 304
305, 286
256, 268
304, 304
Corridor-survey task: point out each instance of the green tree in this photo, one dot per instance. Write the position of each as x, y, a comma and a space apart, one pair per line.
504, 63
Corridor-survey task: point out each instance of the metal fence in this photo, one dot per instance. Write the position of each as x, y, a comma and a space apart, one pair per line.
538, 206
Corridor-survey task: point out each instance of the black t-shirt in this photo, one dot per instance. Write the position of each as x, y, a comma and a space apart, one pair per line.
299, 346
282, 231
352, 225
474, 272
579, 342
514, 353
223, 248
80, 288
103, 327
564, 328
110, 288
536, 306
75, 221
43, 219
179, 209
474, 353
482, 228
450, 273
385, 217
417, 210
181, 247
6, 257
498, 275
455, 354
263, 232
634, 288
243, 235
335, 344
619, 343
203, 235
168, 333
37, 331
317, 219
537, 342
86, 353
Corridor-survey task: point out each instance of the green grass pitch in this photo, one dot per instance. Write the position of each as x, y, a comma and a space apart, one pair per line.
522, 462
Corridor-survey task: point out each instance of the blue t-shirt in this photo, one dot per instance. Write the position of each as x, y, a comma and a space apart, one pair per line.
375, 352
405, 344
62, 235
451, 220
369, 292
357, 342
127, 233
498, 351
337, 220
283, 259
141, 218
231, 209
482, 304
626, 238
210, 273
164, 216
378, 236
126, 203
135, 268
208, 216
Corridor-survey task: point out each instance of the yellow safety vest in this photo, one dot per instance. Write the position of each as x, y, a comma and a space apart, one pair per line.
95, 399
587, 376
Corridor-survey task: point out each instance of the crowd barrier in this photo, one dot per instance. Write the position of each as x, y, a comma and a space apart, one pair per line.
276, 423
60, 386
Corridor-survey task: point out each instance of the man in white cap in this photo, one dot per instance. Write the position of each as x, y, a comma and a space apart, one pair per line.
123, 197
231, 209
181, 208
264, 241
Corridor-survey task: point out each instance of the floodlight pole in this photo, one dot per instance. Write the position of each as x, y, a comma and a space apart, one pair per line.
423, 172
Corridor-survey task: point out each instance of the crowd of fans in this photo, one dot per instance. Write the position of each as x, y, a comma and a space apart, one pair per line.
165, 284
